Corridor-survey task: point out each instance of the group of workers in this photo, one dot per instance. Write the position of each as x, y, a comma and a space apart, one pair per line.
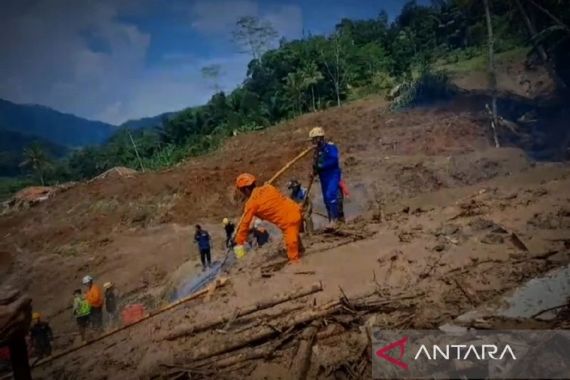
87, 310
290, 214
266, 202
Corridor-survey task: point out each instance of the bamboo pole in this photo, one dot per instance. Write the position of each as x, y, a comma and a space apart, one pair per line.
289, 164
219, 282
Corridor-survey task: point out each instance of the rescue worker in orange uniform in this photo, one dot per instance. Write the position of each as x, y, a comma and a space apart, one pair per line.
94, 297
268, 203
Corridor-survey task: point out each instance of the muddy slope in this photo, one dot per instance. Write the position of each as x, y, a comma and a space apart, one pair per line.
431, 206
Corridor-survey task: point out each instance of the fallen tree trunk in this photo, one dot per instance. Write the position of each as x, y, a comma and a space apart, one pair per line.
302, 360
193, 329
230, 359
257, 334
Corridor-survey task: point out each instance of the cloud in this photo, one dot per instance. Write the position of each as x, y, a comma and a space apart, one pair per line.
91, 59
287, 20
218, 17
50, 62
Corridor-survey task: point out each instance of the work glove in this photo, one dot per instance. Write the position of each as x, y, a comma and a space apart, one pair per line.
239, 251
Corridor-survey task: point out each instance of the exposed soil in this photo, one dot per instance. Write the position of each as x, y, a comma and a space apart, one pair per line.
433, 208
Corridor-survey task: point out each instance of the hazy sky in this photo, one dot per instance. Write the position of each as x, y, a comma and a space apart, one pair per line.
114, 60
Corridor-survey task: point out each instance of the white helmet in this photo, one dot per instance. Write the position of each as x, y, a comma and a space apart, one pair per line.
87, 279
257, 223
316, 132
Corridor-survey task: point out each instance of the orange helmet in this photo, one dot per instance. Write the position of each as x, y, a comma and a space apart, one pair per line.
244, 180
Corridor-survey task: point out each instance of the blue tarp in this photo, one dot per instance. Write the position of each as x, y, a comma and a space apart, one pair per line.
199, 282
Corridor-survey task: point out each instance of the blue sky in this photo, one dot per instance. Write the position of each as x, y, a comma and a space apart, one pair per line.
114, 60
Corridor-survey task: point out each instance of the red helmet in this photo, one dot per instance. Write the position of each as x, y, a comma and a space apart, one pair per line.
244, 180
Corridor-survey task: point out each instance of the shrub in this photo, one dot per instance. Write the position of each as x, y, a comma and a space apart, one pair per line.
428, 87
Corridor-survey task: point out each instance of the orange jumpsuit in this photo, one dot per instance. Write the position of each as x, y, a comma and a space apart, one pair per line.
268, 203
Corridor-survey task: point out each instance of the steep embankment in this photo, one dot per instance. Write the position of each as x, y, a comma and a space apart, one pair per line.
431, 206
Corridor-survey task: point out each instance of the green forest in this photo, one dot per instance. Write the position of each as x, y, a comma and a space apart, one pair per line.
359, 58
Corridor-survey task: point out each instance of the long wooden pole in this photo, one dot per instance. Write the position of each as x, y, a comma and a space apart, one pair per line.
219, 282
289, 164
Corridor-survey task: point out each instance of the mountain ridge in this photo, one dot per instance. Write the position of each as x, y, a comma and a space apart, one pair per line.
53, 125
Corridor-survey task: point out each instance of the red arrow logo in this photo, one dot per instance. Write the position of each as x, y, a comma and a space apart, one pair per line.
382, 353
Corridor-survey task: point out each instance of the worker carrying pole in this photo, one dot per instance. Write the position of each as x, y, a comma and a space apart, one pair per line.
268, 203
326, 164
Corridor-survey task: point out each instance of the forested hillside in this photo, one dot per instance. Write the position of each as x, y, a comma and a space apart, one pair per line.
361, 57
51, 125
13, 147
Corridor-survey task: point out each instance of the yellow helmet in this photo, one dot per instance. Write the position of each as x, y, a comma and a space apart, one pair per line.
316, 132
225, 221
36, 316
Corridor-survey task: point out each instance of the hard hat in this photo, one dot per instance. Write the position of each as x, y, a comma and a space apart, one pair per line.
36, 316
87, 279
317, 132
292, 184
257, 223
244, 180
107, 285
226, 221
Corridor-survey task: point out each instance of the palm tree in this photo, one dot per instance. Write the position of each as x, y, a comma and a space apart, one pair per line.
312, 76
295, 85
37, 160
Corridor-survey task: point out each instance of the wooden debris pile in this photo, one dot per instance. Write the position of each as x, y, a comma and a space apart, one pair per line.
286, 330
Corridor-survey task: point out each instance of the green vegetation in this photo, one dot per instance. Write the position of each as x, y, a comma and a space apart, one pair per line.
359, 58
460, 61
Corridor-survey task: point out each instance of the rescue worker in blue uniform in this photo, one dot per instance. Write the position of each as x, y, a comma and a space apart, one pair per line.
326, 164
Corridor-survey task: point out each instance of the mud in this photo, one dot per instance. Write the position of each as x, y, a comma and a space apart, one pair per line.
432, 208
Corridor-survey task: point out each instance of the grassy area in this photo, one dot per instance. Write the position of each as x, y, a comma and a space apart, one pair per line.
462, 63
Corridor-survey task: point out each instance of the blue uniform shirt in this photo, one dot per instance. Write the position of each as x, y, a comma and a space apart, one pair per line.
203, 239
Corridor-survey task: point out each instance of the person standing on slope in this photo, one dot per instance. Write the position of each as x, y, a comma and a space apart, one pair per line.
41, 336
202, 238
94, 297
326, 164
269, 204
111, 304
81, 311
229, 227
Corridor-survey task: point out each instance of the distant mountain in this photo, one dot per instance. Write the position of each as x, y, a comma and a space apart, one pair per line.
51, 125
12, 145
148, 122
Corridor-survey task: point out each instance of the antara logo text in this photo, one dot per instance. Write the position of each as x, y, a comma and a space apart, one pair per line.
445, 352
465, 352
